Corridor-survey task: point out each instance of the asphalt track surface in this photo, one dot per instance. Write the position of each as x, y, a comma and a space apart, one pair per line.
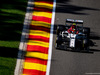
78, 63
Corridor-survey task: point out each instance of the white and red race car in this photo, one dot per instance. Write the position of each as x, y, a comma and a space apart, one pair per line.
73, 35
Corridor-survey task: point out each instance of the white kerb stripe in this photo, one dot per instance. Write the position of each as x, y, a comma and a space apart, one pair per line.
51, 38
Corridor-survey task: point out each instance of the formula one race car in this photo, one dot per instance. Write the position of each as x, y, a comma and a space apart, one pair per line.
73, 35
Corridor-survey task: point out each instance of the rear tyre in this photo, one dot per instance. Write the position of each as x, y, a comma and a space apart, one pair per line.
56, 46
86, 31
86, 44
60, 29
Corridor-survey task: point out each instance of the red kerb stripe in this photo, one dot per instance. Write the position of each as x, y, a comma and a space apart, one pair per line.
40, 18
36, 48
33, 72
42, 9
33, 27
35, 60
38, 38
45, 1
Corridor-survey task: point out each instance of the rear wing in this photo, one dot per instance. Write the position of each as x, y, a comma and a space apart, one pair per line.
70, 20
74, 21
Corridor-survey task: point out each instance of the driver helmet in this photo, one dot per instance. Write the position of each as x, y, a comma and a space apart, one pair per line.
74, 26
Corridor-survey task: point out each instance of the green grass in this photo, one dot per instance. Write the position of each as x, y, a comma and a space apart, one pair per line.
7, 66
12, 15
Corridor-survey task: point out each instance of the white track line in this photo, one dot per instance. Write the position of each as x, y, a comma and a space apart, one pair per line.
51, 38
